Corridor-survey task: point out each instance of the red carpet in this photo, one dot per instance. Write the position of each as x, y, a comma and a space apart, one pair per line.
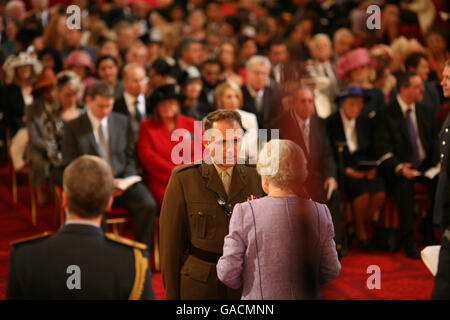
401, 277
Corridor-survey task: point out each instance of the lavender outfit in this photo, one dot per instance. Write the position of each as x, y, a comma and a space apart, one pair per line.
263, 252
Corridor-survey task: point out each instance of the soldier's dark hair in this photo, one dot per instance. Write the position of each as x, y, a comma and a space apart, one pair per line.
88, 183
219, 115
100, 88
403, 79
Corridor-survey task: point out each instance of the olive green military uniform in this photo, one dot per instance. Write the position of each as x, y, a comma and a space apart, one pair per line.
193, 227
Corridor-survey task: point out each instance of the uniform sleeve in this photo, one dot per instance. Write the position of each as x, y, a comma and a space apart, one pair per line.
13, 291
329, 266
231, 264
441, 288
147, 293
173, 236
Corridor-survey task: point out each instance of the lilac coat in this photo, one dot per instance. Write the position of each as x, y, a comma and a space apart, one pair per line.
265, 260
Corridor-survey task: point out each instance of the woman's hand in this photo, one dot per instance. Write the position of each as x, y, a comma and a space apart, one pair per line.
371, 174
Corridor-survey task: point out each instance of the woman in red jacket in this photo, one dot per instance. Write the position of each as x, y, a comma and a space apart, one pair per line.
166, 140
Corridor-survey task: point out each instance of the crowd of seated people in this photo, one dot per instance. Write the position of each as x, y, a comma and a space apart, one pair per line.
311, 69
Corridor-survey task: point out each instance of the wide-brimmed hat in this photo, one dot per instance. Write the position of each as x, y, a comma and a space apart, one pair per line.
46, 79
352, 60
349, 91
79, 58
168, 91
22, 59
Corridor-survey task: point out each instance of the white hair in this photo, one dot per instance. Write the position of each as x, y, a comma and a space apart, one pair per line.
342, 32
317, 37
73, 81
257, 59
283, 163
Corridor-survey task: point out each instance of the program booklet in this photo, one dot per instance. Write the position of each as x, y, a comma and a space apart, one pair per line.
128, 182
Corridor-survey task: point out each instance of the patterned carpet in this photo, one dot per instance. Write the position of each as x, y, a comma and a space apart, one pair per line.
401, 278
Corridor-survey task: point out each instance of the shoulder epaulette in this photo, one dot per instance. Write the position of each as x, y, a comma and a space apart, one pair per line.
125, 241
187, 166
32, 238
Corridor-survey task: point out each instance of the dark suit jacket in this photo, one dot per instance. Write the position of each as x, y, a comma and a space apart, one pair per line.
391, 136
336, 133
79, 140
441, 290
14, 107
321, 164
120, 106
269, 105
38, 268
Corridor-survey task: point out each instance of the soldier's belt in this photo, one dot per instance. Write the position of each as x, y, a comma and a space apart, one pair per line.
204, 255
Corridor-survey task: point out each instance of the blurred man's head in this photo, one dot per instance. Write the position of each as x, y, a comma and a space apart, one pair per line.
100, 99
410, 87
303, 102
210, 71
320, 47
137, 53
343, 40
191, 52
258, 70
278, 51
134, 79
417, 62
88, 186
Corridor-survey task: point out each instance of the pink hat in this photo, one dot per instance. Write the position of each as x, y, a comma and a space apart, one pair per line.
79, 58
352, 60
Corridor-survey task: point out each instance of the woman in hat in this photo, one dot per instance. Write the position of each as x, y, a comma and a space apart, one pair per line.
356, 68
228, 96
155, 146
351, 139
21, 72
80, 62
44, 98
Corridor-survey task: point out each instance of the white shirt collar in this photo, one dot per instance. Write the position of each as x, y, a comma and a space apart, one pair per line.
253, 92
347, 122
82, 222
95, 122
130, 102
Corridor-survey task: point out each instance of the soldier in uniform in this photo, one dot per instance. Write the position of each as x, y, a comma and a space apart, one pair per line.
196, 211
80, 261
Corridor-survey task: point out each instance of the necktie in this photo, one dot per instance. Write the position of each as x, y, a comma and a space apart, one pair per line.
259, 100
226, 180
138, 114
415, 159
305, 130
103, 145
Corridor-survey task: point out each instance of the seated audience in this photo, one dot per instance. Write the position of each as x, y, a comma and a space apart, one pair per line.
191, 87
45, 267
280, 246
104, 133
80, 62
107, 68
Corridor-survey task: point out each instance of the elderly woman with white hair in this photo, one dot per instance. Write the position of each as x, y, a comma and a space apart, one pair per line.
280, 246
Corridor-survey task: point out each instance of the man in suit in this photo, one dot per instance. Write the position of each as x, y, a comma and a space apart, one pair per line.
441, 288
300, 124
109, 135
190, 56
196, 211
210, 71
406, 139
133, 102
259, 97
80, 261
